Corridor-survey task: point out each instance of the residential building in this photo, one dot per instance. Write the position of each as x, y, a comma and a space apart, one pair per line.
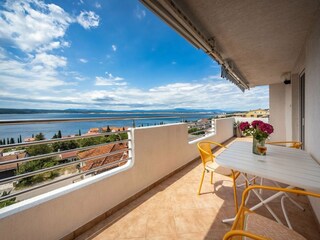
257, 113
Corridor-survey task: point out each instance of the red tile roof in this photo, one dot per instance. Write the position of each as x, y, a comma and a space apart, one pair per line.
11, 157
90, 164
69, 154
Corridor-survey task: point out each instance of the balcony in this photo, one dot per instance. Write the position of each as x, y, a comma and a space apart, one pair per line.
153, 195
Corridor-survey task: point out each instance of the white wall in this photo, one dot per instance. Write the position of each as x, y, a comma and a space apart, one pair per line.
158, 151
288, 111
284, 101
277, 104
250, 119
312, 101
295, 105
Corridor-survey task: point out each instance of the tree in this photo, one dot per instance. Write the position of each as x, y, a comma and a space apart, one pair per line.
4, 141
36, 165
20, 139
8, 201
32, 135
108, 129
123, 129
39, 137
12, 141
59, 134
62, 146
1, 142
8, 142
79, 132
38, 149
54, 136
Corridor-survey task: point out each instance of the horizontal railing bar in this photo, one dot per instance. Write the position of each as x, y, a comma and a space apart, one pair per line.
98, 119
29, 174
63, 179
28, 159
202, 130
53, 140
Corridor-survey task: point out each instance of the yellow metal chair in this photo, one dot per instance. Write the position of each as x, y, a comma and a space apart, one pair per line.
249, 225
209, 165
290, 144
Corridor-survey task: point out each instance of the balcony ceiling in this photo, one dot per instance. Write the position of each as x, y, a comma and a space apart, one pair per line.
262, 39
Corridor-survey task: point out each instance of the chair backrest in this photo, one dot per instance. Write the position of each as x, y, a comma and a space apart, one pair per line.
290, 144
205, 152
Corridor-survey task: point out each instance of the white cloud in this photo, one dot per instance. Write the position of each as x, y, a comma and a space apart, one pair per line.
48, 61
33, 25
97, 5
114, 48
140, 13
208, 94
37, 72
173, 63
110, 80
88, 19
83, 60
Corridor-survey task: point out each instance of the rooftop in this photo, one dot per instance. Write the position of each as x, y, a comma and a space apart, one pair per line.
173, 210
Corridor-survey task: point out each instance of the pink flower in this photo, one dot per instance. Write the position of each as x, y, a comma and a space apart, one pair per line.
258, 129
268, 128
256, 123
244, 125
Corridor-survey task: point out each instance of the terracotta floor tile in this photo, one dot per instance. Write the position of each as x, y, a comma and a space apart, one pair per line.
161, 223
211, 235
166, 237
133, 226
186, 221
112, 232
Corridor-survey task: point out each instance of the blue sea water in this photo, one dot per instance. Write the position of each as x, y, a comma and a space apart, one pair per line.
70, 128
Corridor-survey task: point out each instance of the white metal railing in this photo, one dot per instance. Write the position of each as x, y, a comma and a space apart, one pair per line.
11, 187
201, 128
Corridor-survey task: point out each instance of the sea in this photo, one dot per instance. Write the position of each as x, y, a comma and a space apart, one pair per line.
72, 128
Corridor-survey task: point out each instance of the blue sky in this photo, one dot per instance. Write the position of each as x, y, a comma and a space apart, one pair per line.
111, 54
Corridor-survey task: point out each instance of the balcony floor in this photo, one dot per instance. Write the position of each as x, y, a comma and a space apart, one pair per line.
173, 210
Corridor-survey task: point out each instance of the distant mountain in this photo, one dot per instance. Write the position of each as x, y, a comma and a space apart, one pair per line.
176, 110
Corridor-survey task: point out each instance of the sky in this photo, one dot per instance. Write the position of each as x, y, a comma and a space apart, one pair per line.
110, 55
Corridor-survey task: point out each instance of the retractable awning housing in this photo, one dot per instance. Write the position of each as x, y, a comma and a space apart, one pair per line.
255, 42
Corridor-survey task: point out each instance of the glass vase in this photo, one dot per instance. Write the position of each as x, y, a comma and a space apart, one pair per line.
258, 147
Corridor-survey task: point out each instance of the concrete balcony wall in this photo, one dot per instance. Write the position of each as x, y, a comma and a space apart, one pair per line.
158, 151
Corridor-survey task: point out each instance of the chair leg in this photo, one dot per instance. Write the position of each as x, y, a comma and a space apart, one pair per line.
204, 171
235, 191
261, 183
211, 178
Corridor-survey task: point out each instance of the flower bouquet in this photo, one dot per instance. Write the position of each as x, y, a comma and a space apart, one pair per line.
260, 131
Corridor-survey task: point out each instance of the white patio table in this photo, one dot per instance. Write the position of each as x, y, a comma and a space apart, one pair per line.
293, 167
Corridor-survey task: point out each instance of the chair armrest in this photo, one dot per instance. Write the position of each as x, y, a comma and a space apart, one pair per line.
234, 233
218, 144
